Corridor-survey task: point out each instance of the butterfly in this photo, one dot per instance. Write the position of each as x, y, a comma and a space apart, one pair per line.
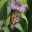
15, 17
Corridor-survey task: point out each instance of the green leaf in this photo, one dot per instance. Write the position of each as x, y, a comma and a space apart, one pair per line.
7, 23
2, 2
1, 22
6, 29
8, 10
18, 26
23, 16
24, 1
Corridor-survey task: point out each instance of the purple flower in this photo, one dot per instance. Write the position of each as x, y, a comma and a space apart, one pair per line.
21, 8
13, 6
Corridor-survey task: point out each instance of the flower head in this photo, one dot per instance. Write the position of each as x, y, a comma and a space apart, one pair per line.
21, 8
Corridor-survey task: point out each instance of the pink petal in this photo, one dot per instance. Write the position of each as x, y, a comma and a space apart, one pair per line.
13, 6
22, 8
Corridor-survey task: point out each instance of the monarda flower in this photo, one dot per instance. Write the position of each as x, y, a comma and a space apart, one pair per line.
21, 8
